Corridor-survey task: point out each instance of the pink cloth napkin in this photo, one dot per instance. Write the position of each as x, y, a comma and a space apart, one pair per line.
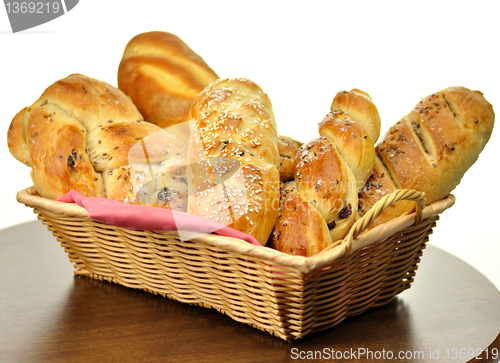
142, 217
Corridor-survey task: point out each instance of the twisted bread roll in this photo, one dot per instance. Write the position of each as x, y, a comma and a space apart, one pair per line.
353, 126
163, 75
320, 205
82, 134
430, 149
234, 120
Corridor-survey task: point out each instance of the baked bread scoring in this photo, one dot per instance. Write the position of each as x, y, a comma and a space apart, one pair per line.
430, 149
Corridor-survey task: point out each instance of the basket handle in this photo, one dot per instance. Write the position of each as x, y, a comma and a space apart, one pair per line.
379, 207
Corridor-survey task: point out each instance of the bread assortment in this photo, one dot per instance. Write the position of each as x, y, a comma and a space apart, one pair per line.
163, 75
173, 134
328, 174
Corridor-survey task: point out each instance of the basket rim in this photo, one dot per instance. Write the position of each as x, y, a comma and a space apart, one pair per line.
268, 255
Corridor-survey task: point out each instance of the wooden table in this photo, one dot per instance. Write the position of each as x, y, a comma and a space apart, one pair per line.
451, 314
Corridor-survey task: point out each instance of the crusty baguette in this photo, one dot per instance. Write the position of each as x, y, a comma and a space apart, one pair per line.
430, 149
162, 75
328, 171
233, 120
83, 134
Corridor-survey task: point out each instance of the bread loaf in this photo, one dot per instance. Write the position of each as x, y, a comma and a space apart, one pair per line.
234, 125
162, 75
320, 205
83, 134
430, 149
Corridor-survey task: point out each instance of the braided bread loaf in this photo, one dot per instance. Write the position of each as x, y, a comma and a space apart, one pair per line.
320, 205
234, 122
85, 135
430, 149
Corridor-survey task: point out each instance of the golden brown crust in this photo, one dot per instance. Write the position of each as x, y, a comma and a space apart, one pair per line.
321, 175
327, 183
379, 184
352, 141
328, 173
287, 148
233, 120
81, 129
432, 147
359, 105
95, 103
299, 223
119, 137
56, 142
16, 137
162, 76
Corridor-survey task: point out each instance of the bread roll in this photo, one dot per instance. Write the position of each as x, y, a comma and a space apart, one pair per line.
328, 171
353, 126
83, 134
430, 149
234, 123
162, 75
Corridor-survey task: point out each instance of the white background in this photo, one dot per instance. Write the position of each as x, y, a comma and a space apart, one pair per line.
301, 54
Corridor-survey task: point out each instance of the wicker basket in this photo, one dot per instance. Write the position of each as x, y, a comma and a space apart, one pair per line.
287, 296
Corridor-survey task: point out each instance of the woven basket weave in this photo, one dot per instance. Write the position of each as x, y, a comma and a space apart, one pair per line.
287, 296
